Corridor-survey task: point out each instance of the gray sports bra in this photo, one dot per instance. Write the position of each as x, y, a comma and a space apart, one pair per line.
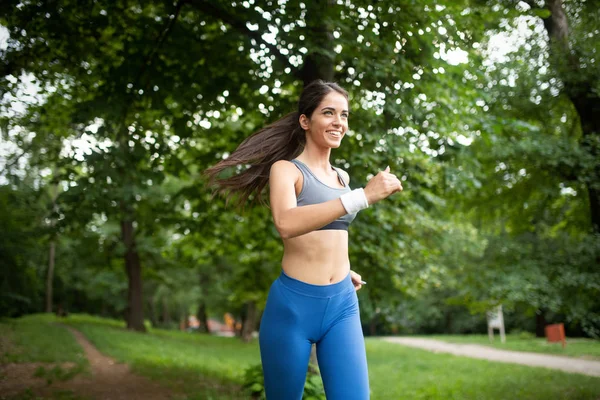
314, 191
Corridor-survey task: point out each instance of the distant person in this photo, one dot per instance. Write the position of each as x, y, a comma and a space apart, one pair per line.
314, 299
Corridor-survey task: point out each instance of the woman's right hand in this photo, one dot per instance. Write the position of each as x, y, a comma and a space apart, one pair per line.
382, 185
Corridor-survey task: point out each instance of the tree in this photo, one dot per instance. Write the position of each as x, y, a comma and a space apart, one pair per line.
571, 55
162, 91
127, 75
534, 173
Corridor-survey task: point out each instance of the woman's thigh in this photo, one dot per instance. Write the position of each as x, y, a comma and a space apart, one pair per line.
284, 348
343, 361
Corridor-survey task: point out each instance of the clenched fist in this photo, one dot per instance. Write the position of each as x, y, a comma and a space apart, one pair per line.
382, 185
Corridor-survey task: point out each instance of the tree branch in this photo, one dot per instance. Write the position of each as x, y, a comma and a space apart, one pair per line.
160, 41
210, 8
148, 61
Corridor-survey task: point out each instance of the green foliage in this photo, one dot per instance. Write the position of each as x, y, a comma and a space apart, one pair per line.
495, 158
313, 388
254, 383
23, 247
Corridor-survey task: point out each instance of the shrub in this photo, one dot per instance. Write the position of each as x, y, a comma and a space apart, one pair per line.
254, 384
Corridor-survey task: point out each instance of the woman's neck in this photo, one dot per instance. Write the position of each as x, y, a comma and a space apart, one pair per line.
316, 159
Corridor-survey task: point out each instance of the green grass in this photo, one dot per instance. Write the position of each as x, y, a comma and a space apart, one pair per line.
212, 367
37, 338
212, 356
577, 347
398, 372
208, 367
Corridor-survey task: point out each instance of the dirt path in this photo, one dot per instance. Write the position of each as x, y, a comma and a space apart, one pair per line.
109, 381
567, 364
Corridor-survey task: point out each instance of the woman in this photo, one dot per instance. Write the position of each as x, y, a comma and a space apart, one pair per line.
314, 299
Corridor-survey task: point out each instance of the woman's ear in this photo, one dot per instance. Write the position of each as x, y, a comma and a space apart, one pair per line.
304, 122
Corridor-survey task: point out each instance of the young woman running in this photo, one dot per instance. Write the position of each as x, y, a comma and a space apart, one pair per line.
314, 299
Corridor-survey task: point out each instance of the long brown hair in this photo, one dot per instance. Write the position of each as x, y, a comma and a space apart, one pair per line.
284, 139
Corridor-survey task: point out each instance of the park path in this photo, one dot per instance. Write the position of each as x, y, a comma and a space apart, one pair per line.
567, 364
110, 380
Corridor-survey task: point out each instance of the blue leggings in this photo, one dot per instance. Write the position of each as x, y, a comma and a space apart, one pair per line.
298, 314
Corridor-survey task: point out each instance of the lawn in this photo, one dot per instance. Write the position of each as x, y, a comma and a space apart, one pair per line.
398, 372
212, 367
207, 367
37, 338
588, 349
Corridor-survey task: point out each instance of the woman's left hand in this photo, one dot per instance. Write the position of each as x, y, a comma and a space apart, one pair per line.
356, 280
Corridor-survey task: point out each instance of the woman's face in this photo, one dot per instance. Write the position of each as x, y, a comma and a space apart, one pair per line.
329, 122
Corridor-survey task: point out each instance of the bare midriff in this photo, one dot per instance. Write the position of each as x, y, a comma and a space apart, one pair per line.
318, 257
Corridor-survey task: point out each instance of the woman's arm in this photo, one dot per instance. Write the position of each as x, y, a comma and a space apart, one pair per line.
291, 220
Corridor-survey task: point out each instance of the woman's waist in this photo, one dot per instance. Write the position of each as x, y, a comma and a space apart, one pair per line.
316, 289
322, 270
318, 257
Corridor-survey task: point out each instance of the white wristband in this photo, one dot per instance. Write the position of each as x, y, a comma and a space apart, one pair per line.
354, 201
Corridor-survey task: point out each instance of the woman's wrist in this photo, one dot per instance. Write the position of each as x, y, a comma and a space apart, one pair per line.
354, 201
367, 193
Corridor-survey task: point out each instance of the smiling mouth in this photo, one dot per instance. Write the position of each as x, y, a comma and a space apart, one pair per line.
335, 134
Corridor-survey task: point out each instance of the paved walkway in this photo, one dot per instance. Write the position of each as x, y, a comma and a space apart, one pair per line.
567, 364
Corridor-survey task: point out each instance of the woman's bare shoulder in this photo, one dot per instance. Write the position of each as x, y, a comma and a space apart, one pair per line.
284, 169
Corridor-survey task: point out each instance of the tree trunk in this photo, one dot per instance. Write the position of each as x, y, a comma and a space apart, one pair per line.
153, 314
448, 321
319, 62
166, 317
50, 277
52, 253
202, 318
585, 100
373, 325
249, 322
184, 317
135, 315
540, 324
594, 196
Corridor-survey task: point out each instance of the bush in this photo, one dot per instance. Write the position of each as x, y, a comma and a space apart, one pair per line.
526, 335
313, 388
254, 384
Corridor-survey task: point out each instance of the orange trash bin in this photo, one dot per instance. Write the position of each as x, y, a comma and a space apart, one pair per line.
556, 333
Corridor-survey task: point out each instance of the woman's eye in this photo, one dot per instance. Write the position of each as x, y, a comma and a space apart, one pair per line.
345, 115
328, 113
